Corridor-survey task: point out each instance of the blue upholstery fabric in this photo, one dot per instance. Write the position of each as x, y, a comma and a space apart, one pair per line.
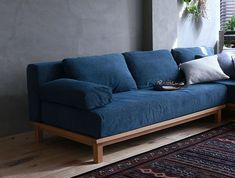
38, 74
182, 55
230, 84
134, 109
226, 63
200, 56
148, 67
75, 93
110, 70
72, 119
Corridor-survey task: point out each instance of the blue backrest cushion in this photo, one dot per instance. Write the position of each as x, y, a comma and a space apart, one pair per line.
226, 63
149, 67
200, 56
110, 70
182, 55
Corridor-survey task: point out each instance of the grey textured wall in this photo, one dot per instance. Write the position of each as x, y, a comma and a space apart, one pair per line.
171, 28
164, 22
42, 30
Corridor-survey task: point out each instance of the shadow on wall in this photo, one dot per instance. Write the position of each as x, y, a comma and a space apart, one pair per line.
184, 16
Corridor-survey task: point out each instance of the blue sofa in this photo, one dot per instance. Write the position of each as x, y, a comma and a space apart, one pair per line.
101, 100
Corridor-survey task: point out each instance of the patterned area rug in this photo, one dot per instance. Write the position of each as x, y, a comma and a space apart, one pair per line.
207, 155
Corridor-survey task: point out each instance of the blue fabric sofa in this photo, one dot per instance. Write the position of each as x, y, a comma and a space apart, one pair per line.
100, 100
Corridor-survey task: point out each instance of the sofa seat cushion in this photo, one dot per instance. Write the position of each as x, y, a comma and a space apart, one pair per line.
134, 109
230, 84
75, 93
182, 55
149, 67
110, 70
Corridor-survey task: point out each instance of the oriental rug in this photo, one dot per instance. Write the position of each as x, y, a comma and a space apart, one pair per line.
210, 154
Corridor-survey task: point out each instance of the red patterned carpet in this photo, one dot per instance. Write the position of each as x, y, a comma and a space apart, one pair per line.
207, 155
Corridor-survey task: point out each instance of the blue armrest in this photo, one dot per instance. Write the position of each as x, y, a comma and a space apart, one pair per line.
75, 93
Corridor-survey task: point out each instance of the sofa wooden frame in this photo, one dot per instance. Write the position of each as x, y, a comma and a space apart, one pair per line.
230, 106
98, 144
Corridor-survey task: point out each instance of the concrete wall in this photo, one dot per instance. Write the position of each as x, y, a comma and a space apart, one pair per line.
164, 23
44, 30
172, 28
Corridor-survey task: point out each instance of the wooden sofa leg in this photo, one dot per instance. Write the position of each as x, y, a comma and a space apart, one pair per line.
218, 117
38, 134
98, 153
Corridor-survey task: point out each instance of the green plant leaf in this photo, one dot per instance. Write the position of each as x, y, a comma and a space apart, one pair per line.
187, 1
230, 25
196, 7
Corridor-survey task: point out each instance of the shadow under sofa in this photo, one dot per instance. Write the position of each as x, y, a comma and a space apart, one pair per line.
133, 110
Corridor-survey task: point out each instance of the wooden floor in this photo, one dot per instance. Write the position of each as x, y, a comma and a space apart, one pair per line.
57, 157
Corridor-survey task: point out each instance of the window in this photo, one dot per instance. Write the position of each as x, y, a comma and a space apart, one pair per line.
227, 10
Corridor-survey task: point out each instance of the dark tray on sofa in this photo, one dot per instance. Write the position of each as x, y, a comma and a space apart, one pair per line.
168, 86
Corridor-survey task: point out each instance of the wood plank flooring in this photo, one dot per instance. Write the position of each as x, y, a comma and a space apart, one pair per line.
56, 157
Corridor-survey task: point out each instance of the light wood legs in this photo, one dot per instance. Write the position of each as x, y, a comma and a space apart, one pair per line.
218, 117
97, 148
38, 135
98, 153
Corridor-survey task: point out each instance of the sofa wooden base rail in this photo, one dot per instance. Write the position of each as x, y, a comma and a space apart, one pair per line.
98, 144
230, 106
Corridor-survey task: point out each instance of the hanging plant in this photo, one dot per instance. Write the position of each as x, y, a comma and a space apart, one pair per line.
196, 7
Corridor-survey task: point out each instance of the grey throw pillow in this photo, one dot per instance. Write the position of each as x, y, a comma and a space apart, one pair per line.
206, 69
